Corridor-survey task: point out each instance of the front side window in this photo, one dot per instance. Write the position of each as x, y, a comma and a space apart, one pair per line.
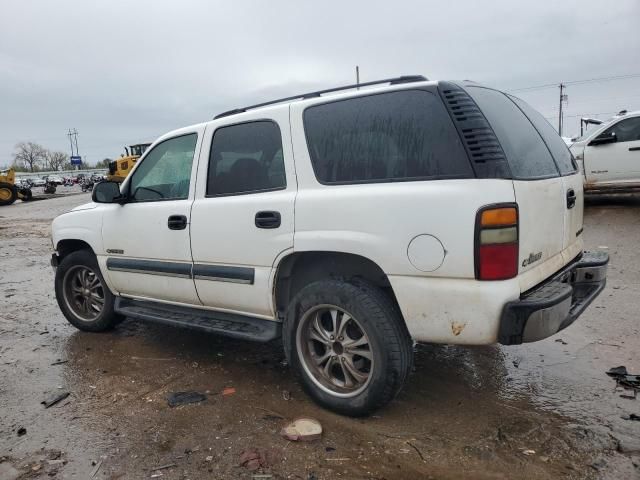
627, 130
527, 154
397, 136
165, 172
246, 158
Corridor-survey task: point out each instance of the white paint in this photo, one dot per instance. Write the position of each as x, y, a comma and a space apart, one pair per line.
432, 274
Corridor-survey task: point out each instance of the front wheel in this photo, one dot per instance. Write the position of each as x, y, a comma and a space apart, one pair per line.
348, 344
83, 296
8, 193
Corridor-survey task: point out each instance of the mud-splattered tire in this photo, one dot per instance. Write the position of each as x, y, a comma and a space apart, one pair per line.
83, 296
8, 193
358, 329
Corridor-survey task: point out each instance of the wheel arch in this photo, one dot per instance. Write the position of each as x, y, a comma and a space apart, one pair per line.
299, 269
69, 245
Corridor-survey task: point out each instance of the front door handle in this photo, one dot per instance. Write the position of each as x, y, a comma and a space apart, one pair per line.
268, 219
634, 149
571, 198
177, 222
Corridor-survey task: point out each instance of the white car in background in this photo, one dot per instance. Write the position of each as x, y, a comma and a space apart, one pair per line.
609, 155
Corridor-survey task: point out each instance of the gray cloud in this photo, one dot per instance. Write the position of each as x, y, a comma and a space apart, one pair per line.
122, 72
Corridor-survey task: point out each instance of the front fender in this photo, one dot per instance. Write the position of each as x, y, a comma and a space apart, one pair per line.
84, 225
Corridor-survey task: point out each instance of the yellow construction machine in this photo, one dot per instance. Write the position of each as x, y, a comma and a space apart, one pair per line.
120, 168
9, 191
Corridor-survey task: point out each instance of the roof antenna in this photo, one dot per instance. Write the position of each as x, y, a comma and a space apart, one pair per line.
357, 77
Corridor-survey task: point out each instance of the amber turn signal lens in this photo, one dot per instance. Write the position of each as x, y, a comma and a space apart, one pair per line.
499, 217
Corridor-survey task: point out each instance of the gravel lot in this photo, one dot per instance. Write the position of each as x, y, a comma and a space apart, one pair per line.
543, 410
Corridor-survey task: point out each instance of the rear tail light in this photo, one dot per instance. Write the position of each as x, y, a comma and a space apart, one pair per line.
496, 248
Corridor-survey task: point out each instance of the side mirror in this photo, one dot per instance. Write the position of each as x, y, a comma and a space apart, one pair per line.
106, 192
604, 138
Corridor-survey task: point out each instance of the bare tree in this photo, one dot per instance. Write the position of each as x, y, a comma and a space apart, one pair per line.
55, 160
103, 163
30, 155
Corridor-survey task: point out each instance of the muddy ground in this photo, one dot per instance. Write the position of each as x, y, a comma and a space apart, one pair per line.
543, 410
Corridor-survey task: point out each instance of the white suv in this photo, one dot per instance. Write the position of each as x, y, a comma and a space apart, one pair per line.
349, 225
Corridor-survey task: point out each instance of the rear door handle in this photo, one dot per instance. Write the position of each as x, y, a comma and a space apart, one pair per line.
571, 198
268, 219
177, 222
634, 149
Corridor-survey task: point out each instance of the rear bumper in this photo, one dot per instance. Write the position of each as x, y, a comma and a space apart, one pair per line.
555, 304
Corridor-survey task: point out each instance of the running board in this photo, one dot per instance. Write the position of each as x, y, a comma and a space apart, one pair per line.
220, 323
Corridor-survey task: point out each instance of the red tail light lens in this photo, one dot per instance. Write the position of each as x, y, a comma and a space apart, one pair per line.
497, 242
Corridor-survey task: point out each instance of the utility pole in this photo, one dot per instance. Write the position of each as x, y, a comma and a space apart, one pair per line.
563, 98
73, 142
358, 77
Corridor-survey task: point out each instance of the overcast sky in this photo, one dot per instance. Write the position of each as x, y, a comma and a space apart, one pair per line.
124, 72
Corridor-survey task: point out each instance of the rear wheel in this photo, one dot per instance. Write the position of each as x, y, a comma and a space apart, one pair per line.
8, 193
348, 344
83, 296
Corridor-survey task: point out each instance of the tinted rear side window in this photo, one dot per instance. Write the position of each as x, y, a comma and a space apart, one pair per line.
527, 155
396, 136
246, 158
556, 145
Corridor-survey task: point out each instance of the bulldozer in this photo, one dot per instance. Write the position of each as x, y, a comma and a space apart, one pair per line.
120, 168
9, 191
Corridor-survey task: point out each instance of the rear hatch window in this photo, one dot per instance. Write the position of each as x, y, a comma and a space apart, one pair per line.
527, 155
557, 147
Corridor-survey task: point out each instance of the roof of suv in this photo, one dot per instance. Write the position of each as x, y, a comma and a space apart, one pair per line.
391, 81
345, 91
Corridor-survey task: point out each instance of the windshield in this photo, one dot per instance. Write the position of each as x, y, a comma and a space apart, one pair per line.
590, 130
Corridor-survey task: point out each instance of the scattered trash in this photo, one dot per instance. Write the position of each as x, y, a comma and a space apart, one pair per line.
286, 394
302, 429
22, 431
53, 400
626, 381
528, 452
252, 459
559, 340
516, 363
272, 417
329, 449
228, 391
157, 475
164, 467
59, 362
633, 416
95, 470
36, 467
209, 458
183, 398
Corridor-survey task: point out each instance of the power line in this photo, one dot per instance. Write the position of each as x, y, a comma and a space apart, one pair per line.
576, 82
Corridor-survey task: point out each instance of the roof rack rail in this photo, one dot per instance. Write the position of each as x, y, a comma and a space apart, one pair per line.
392, 81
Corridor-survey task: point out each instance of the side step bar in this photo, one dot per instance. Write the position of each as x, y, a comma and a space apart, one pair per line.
220, 323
